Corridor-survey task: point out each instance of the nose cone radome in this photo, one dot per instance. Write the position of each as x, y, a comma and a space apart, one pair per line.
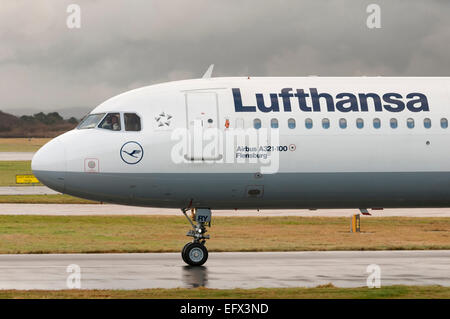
49, 165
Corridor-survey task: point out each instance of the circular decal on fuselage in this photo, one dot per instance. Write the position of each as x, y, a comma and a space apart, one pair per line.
131, 152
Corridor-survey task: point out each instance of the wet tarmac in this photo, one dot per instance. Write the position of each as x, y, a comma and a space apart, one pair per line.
225, 270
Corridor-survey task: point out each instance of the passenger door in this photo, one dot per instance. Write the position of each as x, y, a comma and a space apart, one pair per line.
202, 125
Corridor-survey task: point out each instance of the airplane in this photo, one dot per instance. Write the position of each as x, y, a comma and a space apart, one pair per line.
260, 143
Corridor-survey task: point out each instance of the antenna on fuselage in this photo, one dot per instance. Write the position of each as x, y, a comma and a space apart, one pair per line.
208, 72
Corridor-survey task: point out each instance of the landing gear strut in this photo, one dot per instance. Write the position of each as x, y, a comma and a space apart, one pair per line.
195, 252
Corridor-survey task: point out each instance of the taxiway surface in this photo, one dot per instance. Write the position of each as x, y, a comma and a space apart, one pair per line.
109, 209
16, 156
225, 270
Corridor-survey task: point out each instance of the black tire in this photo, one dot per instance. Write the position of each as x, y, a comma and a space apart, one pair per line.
183, 252
195, 254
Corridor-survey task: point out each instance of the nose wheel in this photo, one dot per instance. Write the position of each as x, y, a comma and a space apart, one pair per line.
195, 252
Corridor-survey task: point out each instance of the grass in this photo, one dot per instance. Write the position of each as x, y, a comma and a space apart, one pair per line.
44, 199
21, 144
322, 292
9, 170
125, 234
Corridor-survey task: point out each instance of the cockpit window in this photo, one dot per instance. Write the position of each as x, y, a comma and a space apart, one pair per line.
132, 122
111, 122
90, 121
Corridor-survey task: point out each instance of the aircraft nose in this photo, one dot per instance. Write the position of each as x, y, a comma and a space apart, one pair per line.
49, 165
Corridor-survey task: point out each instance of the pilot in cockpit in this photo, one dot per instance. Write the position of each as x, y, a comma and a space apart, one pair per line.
115, 123
111, 122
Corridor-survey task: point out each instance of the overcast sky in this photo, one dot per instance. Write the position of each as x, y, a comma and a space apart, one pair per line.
125, 44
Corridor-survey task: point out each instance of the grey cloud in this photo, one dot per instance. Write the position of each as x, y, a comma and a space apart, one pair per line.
127, 44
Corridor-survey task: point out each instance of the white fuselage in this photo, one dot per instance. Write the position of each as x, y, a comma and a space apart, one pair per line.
200, 145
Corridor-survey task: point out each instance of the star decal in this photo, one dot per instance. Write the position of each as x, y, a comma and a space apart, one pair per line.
163, 119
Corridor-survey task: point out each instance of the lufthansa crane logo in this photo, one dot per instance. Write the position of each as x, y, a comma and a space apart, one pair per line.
131, 152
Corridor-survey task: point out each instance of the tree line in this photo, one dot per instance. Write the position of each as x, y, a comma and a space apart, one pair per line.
48, 119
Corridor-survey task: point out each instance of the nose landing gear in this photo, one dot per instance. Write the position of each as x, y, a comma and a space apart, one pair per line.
195, 252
